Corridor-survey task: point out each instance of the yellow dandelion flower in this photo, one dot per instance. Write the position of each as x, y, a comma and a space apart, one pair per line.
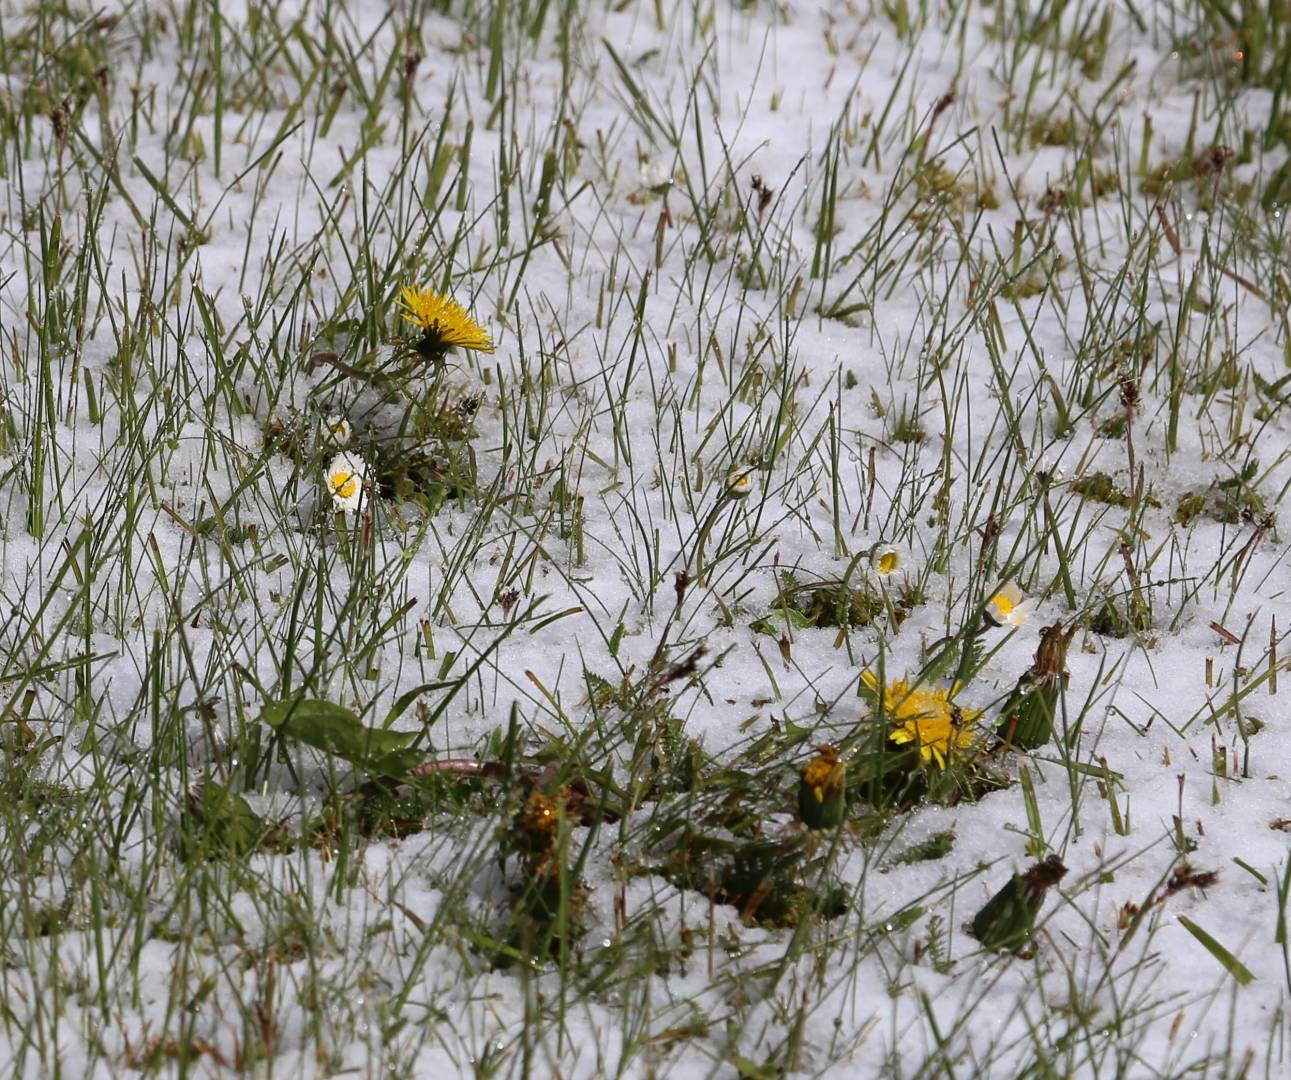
824, 772
538, 821
822, 799
444, 322
926, 716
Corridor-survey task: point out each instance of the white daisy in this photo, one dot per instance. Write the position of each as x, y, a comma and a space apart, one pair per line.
1009, 606
655, 175
886, 560
346, 478
740, 484
337, 431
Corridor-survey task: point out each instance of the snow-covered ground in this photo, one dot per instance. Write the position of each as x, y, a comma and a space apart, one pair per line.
999, 288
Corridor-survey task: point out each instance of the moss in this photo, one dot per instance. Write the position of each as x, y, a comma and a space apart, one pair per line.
1203, 171
429, 478
1032, 285
1102, 488
1229, 501
1104, 182
1113, 427
907, 429
286, 437
774, 883
939, 189
1053, 131
1189, 507
831, 604
1159, 180
1235, 498
1277, 189
937, 846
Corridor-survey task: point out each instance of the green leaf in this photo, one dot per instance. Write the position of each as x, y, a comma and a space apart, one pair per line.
1232, 965
936, 846
338, 730
1007, 920
221, 822
939, 664
970, 660
790, 617
751, 1070
1026, 718
894, 924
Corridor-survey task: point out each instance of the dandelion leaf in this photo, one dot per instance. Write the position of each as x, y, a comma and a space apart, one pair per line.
337, 730
221, 822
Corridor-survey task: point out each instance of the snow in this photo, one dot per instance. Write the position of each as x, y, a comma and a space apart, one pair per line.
355, 981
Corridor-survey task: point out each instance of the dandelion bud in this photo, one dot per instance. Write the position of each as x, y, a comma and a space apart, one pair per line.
537, 822
1051, 657
541, 898
822, 799
1008, 919
1026, 720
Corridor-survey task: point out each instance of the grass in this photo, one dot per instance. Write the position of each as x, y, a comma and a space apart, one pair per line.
501, 775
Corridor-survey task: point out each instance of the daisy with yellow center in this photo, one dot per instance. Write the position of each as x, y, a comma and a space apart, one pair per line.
444, 323
886, 560
1008, 607
345, 478
337, 431
925, 716
739, 484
